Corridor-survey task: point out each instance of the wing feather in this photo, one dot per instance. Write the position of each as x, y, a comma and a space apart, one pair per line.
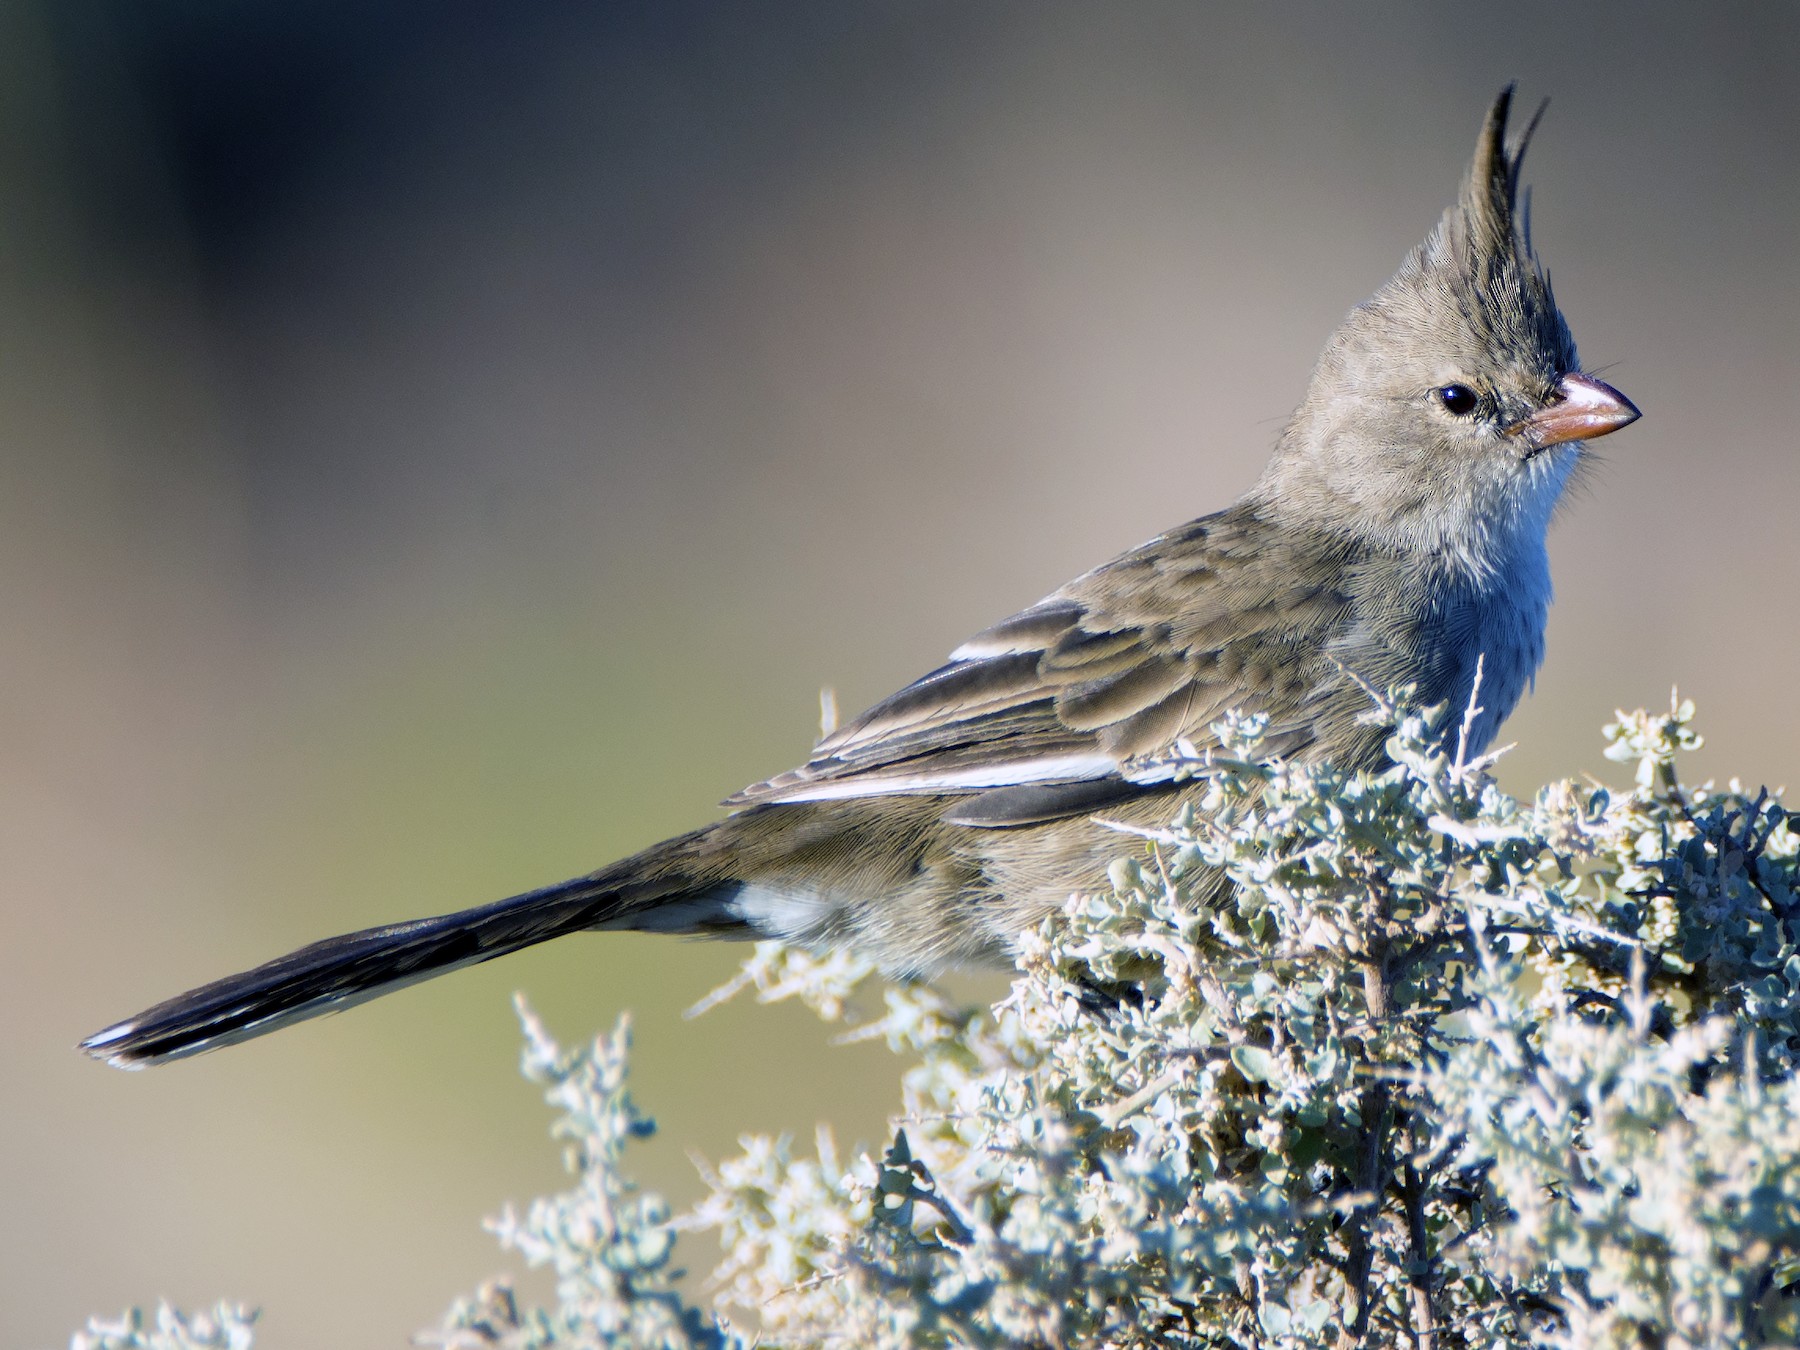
1052, 709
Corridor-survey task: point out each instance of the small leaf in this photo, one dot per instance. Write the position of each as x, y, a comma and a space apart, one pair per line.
1255, 1063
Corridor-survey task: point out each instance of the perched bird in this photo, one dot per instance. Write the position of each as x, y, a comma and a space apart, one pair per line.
1397, 535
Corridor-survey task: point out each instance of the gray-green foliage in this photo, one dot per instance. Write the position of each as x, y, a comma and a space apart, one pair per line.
226, 1327
607, 1242
1444, 1069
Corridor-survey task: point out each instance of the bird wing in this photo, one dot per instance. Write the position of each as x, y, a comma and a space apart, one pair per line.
1058, 709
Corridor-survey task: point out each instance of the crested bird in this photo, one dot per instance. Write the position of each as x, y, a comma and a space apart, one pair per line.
1396, 536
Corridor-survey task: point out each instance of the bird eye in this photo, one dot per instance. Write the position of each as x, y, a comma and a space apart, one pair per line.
1458, 399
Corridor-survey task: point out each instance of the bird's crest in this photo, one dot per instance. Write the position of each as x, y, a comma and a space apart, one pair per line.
1489, 214
1480, 253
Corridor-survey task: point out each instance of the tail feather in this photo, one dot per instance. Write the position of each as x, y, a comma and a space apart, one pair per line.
342, 971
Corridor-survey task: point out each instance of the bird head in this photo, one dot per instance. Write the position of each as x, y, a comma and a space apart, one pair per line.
1449, 409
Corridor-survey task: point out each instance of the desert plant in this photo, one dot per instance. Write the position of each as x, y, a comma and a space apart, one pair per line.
1440, 1068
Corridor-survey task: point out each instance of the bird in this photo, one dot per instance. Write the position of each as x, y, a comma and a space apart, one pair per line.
1396, 536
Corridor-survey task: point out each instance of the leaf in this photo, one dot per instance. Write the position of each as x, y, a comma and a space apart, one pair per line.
1255, 1063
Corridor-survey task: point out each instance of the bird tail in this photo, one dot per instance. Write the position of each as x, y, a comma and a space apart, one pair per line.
642, 891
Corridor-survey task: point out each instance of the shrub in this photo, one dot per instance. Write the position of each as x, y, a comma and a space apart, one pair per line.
1441, 1069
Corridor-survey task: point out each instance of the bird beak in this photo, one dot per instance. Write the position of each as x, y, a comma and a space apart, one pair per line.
1580, 409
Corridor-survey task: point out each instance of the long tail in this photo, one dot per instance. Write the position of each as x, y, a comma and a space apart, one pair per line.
342, 971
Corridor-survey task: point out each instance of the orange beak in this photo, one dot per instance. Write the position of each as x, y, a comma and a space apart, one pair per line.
1581, 409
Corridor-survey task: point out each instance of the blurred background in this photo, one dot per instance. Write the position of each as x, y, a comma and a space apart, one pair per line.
445, 447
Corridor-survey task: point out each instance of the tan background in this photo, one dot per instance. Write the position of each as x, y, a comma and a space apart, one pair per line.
442, 449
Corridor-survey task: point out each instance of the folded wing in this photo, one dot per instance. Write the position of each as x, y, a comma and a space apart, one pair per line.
1068, 704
